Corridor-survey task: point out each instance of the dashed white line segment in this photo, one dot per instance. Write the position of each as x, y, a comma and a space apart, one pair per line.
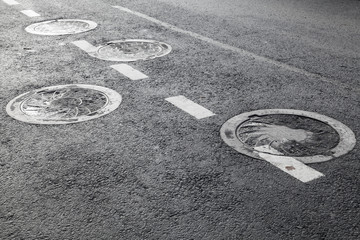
190, 107
30, 13
240, 51
85, 46
129, 71
10, 2
293, 167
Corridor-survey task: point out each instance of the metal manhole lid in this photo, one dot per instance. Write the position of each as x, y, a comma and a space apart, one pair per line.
63, 104
306, 136
129, 50
61, 27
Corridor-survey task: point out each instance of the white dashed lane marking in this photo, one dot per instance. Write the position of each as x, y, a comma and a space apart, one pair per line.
30, 13
85, 46
10, 2
190, 107
129, 71
293, 167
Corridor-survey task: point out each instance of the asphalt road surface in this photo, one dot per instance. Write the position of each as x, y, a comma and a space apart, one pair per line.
151, 170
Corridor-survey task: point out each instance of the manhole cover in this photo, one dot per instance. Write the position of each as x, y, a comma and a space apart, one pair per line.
306, 136
63, 104
132, 50
61, 27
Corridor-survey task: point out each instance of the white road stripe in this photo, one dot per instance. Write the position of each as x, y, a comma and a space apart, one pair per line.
10, 2
292, 166
129, 71
30, 13
240, 51
190, 107
85, 46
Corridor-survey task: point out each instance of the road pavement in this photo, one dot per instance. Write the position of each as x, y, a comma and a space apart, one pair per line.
150, 170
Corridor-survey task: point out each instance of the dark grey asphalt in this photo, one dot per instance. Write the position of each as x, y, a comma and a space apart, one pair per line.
151, 171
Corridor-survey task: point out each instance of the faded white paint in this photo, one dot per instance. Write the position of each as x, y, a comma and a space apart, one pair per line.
30, 13
190, 107
129, 71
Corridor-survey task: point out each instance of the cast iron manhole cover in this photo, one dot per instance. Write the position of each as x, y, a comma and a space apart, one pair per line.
61, 27
132, 50
306, 136
63, 104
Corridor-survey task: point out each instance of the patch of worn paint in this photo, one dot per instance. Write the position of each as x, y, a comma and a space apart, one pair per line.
93, 113
229, 133
290, 168
61, 120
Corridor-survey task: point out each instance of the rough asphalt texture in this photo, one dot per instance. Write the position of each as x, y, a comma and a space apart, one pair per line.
150, 171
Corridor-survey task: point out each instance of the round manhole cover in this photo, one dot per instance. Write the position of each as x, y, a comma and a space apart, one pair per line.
132, 50
61, 27
63, 104
306, 136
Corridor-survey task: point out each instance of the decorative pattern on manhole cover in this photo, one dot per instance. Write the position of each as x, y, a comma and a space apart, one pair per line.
63, 104
305, 136
61, 27
132, 50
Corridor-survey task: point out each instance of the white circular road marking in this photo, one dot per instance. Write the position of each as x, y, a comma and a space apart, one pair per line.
305, 136
63, 104
130, 50
61, 27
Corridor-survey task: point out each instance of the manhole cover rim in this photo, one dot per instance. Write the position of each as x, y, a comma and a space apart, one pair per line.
98, 55
32, 28
346, 143
13, 108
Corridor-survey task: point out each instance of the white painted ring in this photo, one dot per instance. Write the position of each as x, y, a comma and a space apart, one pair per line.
97, 54
14, 107
345, 145
32, 28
